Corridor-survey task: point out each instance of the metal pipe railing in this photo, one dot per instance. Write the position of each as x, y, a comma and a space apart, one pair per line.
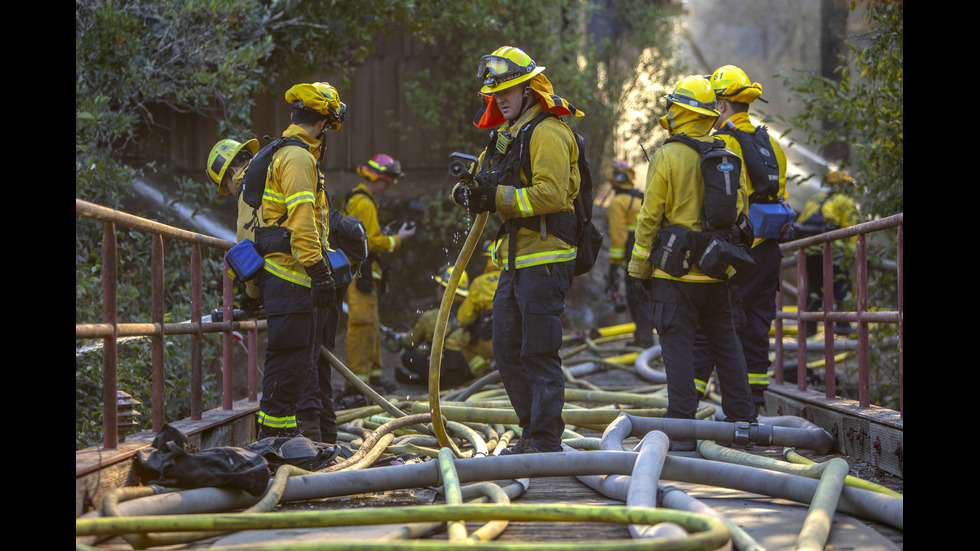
110, 330
862, 316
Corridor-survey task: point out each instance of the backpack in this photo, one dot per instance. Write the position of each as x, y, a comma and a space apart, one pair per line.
257, 171
721, 248
720, 171
588, 238
348, 234
760, 162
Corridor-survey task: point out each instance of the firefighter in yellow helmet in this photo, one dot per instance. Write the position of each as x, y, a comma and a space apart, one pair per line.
536, 250
829, 209
227, 157
363, 318
297, 282
621, 218
225, 166
684, 297
417, 343
765, 167
475, 315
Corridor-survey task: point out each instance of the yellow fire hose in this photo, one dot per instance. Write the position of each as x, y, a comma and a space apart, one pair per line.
442, 321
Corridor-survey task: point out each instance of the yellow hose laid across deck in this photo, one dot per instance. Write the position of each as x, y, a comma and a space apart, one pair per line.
439, 338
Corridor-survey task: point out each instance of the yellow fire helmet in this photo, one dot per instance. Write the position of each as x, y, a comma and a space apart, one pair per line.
221, 156
505, 67
462, 288
695, 94
319, 97
838, 177
732, 84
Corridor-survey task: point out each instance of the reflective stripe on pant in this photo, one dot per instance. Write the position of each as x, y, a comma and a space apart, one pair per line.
289, 313
526, 338
317, 400
679, 308
363, 334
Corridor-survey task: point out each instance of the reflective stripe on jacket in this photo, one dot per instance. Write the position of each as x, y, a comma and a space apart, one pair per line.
291, 187
553, 188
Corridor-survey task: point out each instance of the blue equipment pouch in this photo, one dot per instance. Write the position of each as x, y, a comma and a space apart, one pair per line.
244, 261
340, 266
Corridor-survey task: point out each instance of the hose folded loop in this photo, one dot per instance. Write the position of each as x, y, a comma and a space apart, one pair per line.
466, 428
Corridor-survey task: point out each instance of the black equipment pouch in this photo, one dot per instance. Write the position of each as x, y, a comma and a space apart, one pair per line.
272, 239
723, 258
673, 250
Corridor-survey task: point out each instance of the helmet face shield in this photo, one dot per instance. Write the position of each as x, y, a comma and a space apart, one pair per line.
691, 102
495, 70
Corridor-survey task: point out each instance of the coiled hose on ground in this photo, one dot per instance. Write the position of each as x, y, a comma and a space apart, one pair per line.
478, 421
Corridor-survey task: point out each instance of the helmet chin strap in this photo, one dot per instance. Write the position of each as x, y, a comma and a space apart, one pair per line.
525, 100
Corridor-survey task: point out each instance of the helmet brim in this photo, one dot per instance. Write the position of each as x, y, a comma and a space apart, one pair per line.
513, 82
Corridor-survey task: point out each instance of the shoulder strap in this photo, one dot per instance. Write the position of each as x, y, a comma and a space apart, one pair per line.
524, 136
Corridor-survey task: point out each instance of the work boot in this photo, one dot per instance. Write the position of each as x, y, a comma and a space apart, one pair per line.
521, 447
272, 432
309, 426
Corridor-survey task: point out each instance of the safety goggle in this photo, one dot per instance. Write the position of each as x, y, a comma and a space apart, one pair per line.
496, 69
672, 99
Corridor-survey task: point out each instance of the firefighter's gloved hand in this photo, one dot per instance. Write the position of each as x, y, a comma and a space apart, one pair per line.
640, 269
252, 306
482, 198
322, 286
461, 194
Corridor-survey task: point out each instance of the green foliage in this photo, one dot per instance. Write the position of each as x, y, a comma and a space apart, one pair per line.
865, 108
210, 58
600, 56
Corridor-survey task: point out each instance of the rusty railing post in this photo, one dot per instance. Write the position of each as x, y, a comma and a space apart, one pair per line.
196, 374
864, 347
830, 378
801, 297
109, 351
157, 315
227, 340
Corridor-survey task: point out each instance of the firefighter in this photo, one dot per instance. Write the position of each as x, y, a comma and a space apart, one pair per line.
296, 283
225, 167
417, 343
363, 317
672, 209
829, 209
621, 218
475, 315
536, 251
766, 183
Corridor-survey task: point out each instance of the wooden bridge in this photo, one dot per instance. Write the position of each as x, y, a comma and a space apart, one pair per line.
552, 500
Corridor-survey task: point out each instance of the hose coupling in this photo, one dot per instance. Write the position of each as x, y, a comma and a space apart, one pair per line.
746, 432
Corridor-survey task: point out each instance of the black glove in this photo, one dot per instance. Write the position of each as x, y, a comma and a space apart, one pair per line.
482, 198
321, 284
252, 306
